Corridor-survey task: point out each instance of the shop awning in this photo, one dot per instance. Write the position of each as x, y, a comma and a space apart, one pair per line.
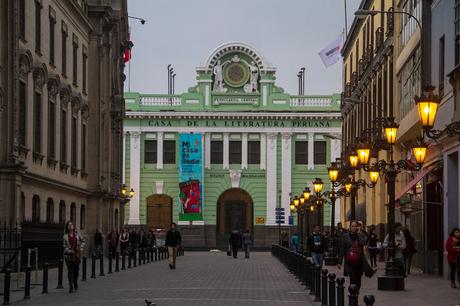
413, 182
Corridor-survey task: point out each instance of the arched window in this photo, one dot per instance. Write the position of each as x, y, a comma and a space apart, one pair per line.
50, 210
116, 219
35, 208
61, 212
82, 216
73, 213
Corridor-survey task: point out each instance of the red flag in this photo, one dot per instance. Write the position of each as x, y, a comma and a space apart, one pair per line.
127, 53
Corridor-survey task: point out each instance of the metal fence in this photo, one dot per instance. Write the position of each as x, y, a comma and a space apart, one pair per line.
10, 245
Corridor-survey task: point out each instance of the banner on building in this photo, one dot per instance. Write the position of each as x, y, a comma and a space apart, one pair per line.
190, 177
331, 53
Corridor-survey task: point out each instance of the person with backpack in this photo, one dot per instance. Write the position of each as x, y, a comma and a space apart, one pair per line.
316, 243
352, 254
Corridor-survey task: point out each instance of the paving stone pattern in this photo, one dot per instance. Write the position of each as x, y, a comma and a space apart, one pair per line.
201, 278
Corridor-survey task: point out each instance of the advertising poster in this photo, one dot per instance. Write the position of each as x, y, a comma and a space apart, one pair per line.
190, 177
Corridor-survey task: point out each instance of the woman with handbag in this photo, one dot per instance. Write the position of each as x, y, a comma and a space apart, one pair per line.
74, 244
353, 253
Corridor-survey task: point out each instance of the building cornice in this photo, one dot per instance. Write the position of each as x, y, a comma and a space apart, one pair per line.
234, 115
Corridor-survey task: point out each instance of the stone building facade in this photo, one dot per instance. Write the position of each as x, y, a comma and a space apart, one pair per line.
61, 104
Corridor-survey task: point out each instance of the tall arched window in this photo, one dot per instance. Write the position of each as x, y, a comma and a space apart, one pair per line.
61, 212
73, 213
116, 219
82, 216
35, 208
50, 210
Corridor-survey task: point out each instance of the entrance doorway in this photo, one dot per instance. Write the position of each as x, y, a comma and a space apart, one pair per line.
234, 211
159, 211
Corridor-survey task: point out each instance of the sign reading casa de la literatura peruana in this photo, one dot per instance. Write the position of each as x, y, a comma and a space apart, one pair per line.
227, 152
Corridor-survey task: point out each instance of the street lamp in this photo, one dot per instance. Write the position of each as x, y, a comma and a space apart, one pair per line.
306, 193
353, 158
333, 172
318, 185
131, 193
123, 190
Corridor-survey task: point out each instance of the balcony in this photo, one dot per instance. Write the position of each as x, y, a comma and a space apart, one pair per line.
301, 101
161, 100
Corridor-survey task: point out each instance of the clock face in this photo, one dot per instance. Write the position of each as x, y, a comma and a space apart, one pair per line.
236, 74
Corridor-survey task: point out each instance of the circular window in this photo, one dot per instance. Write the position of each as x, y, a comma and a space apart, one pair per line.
236, 74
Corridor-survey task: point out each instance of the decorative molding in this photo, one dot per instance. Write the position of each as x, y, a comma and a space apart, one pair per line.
40, 75
54, 83
235, 115
272, 137
25, 63
235, 177
65, 92
286, 140
159, 187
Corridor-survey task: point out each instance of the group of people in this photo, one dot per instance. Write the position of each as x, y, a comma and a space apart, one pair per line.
127, 240
74, 244
238, 241
357, 249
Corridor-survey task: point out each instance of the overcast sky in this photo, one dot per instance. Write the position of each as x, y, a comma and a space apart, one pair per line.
288, 33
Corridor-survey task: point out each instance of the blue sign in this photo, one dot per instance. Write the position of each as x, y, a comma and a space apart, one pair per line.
291, 220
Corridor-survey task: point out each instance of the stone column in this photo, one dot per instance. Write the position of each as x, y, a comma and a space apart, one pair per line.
244, 151
263, 151
226, 151
271, 178
286, 167
134, 205
207, 150
160, 150
123, 170
311, 151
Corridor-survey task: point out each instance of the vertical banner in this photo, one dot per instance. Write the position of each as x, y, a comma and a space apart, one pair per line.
190, 177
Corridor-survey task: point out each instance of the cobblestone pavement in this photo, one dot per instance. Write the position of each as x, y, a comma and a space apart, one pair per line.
420, 290
201, 278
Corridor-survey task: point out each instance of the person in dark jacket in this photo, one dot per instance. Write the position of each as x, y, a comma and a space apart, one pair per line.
235, 241
113, 238
98, 243
373, 248
353, 254
409, 251
316, 243
173, 240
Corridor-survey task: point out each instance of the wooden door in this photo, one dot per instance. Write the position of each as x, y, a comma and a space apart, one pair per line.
159, 211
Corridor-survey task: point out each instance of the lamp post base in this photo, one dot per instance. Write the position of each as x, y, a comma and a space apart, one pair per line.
390, 282
331, 261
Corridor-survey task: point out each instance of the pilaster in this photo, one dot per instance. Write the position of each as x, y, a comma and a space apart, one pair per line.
244, 151
286, 167
226, 151
134, 204
271, 178
160, 150
311, 151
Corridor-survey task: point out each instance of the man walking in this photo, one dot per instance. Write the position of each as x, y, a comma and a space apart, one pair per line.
173, 240
235, 241
98, 243
247, 242
316, 243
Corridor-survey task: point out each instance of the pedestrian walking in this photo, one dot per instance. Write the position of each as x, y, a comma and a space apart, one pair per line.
247, 242
400, 245
124, 241
453, 254
74, 244
235, 242
98, 243
316, 243
353, 254
113, 242
373, 246
173, 240
409, 251
294, 242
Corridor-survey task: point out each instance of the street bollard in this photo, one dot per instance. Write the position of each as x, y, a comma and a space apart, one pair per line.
6, 287
312, 278
129, 260
317, 284
45, 278
324, 287
140, 256
110, 264
117, 262
144, 255
369, 300
353, 292
123, 261
101, 265
151, 255
156, 254
340, 291
60, 272
83, 269
93, 266
331, 277
147, 254
27, 284
134, 258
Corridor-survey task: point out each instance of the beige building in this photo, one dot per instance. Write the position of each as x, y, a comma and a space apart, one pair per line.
61, 105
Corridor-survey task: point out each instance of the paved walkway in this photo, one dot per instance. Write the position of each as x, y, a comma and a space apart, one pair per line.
201, 278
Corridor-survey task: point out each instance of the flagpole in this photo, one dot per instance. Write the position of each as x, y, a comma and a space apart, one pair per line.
346, 23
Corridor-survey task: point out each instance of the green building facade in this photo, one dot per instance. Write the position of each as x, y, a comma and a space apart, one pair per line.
252, 145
